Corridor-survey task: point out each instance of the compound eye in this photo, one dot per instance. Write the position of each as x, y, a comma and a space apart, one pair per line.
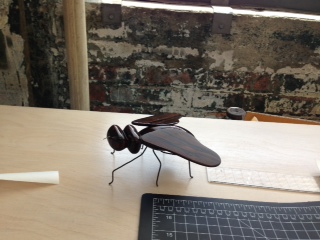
117, 138
134, 144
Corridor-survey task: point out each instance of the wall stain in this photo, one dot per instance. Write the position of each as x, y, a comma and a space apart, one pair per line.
3, 54
14, 17
291, 83
304, 38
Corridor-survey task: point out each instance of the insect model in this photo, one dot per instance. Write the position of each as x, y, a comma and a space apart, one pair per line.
161, 134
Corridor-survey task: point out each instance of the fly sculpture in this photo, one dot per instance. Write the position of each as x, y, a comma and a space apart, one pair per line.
161, 134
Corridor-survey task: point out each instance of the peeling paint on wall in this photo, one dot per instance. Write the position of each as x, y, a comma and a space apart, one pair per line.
307, 72
162, 60
13, 80
224, 60
121, 32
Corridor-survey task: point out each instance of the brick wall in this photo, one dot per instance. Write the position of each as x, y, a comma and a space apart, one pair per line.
170, 61
161, 60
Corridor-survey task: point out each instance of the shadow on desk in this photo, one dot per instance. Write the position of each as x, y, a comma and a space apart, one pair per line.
12, 187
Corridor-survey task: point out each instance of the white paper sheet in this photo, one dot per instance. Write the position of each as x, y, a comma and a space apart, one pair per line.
252, 178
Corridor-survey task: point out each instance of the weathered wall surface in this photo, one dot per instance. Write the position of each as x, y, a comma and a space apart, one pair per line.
33, 68
160, 61
48, 72
13, 80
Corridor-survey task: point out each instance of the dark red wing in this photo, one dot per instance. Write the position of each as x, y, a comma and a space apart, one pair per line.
179, 142
158, 120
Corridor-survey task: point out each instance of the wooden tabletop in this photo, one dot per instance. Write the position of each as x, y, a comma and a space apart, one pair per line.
84, 206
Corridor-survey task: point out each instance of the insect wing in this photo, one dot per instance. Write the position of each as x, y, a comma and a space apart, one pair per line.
179, 142
158, 120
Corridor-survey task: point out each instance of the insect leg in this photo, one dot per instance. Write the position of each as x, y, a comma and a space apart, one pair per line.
159, 167
125, 164
113, 151
190, 170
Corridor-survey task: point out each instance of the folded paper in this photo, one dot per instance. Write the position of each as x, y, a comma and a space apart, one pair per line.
49, 177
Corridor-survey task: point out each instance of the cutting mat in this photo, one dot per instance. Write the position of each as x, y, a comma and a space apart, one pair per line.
170, 217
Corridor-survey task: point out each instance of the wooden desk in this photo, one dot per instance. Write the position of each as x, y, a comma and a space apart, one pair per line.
84, 206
